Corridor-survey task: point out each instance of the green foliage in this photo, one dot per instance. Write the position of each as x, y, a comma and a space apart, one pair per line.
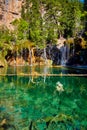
21, 29
43, 21
49, 19
5, 35
2, 59
6, 39
70, 17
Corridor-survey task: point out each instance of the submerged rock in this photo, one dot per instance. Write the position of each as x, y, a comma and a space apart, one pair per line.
5, 125
59, 87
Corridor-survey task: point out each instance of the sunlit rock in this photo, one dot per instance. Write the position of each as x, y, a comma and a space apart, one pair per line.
9, 11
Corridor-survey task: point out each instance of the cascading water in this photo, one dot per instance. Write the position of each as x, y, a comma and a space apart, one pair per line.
63, 54
73, 49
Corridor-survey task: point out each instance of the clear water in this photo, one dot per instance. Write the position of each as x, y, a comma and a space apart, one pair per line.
34, 103
42, 70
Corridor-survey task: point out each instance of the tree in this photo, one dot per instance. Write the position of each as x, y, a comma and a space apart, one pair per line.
20, 29
85, 17
6, 39
61, 17
70, 17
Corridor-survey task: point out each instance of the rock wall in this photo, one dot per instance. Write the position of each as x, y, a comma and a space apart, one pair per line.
9, 11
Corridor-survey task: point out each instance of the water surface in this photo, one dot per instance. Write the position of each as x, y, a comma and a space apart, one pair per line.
33, 102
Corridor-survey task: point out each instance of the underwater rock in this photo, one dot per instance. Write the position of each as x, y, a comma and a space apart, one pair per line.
57, 121
3, 122
59, 87
4, 125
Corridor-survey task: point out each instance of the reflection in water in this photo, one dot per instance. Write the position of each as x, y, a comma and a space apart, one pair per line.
3, 70
23, 102
44, 70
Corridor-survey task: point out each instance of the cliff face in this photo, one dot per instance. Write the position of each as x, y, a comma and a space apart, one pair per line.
9, 11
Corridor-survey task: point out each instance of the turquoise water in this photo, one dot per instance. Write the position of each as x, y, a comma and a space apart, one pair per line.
34, 103
44, 70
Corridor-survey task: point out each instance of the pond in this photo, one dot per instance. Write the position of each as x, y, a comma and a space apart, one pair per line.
35, 103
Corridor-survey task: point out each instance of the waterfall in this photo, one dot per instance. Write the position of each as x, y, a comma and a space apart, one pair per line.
45, 57
30, 57
73, 49
63, 54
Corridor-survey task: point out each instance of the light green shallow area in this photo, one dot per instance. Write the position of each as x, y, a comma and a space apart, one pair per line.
34, 103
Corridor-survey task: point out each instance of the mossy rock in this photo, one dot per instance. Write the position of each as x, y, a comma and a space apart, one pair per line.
56, 121
3, 66
3, 63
